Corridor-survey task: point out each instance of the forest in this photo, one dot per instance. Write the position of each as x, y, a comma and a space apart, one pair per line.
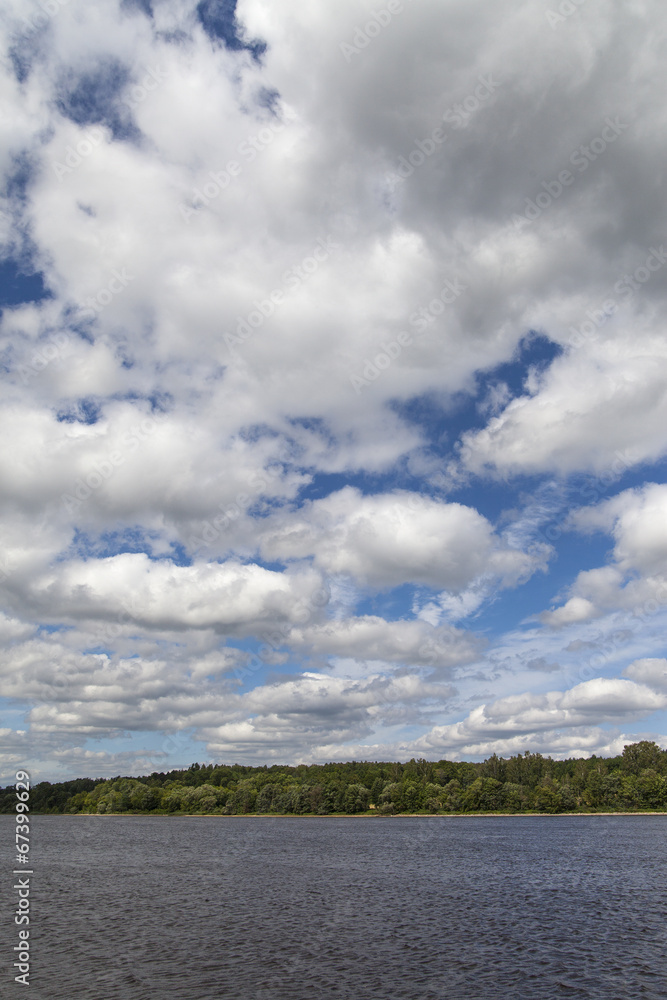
634, 781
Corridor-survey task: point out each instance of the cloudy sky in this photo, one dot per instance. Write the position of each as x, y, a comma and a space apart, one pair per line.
333, 420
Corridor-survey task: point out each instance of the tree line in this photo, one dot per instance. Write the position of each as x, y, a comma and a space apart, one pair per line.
634, 781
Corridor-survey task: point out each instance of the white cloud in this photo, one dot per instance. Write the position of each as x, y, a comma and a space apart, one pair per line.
582, 741
372, 638
303, 716
95, 693
247, 248
389, 267
597, 403
635, 578
650, 671
637, 519
132, 588
12, 629
520, 719
577, 609
389, 539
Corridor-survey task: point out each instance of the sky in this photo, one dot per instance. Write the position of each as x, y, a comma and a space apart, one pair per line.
333, 418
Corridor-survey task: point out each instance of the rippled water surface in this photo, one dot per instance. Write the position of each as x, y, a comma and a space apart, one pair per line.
132, 908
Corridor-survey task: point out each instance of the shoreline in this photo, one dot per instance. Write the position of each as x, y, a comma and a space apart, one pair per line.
490, 815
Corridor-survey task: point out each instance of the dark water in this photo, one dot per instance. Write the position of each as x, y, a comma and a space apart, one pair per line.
417, 908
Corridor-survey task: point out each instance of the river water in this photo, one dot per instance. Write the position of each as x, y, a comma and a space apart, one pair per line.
421, 908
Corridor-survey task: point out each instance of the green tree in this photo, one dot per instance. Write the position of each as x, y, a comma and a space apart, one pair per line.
594, 790
484, 795
568, 796
494, 767
514, 798
172, 798
393, 795
77, 803
315, 801
201, 799
433, 797
243, 799
266, 797
629, 796
611, 789
453, 795
444, 772
356, 798
652, 789
547, 797
467, 773
642, 756
411, 796
527, 769
376, 790
143, 798
334, 797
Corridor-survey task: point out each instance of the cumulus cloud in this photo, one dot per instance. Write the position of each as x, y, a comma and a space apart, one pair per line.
131, 587
520, 718
373, 638
277, 350
577, 742
637, 519
386, 540
601, 404
634, 580
650, 671
577, 609
390, 262
76, 695
304, 716
86, 693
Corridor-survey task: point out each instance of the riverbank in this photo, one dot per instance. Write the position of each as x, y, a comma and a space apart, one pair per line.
364, 815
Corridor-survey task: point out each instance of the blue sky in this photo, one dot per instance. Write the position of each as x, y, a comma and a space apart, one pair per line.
333, 383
